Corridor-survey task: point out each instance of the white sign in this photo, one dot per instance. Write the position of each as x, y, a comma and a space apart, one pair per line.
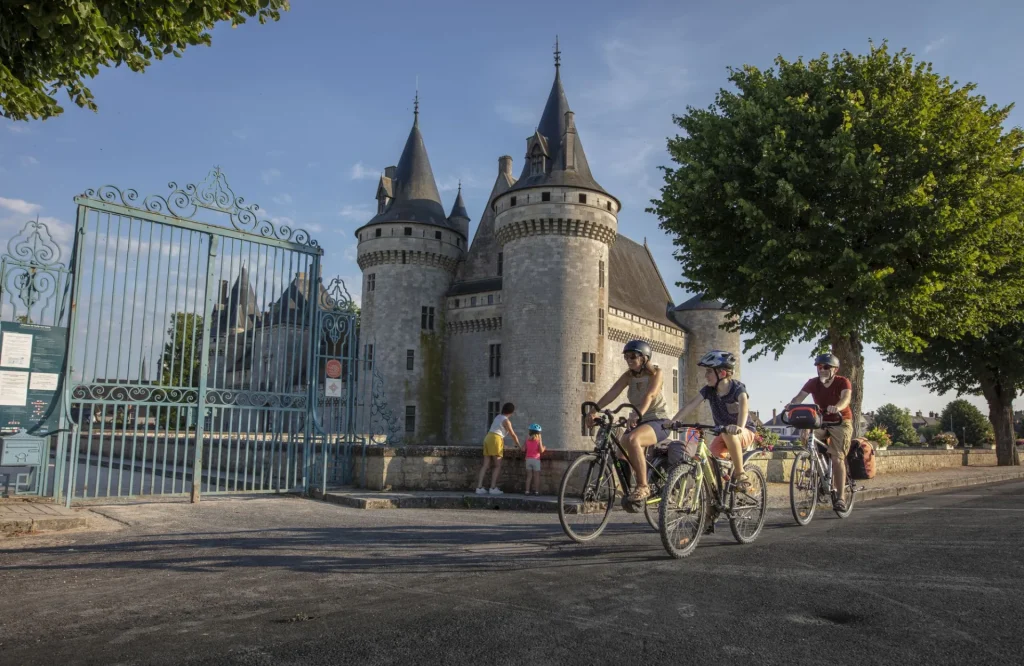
16, 351
332, 389
43, 381
13, 387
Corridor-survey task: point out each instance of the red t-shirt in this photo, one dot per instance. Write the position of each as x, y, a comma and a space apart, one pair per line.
825, 396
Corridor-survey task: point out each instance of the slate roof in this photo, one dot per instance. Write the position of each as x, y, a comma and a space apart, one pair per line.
475, 286
635, 284
698, 302
459, 207
482, 258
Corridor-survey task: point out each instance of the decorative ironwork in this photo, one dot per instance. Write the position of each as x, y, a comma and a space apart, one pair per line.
128, 393
213, 194
32, 269
383, 423
336, 297
228, 397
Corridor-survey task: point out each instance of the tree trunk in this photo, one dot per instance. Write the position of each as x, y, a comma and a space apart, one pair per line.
1000, 414
850, 351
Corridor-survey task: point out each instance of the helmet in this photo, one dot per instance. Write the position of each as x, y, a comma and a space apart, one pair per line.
717, 359
827, 359
534, 427
638, 346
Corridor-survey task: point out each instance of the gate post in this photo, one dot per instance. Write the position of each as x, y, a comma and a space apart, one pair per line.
204, 369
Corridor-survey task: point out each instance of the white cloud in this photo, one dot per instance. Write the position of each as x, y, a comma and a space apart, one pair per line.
363, 172
18, 128
351, 252
28, 161
239, 134
451, 183
20, 206
282, 199
935, 45
275, 153
270, 175
515, 114
358, 211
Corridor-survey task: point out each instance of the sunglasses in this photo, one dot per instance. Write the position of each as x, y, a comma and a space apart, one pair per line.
631, 356
822, 366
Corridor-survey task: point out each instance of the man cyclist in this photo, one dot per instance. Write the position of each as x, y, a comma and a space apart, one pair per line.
832, 392
729, 409
642, 382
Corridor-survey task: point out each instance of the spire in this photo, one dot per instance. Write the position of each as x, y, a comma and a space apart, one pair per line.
416, 106
459, 207
558, 56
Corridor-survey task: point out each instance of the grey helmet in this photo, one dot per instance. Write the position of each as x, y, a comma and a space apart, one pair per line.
827, 359
717, 359
638, 346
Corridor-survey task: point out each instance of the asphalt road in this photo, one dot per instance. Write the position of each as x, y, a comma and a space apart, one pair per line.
931, 579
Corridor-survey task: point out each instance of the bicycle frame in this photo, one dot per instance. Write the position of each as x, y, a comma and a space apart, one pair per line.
711, 467
605, 451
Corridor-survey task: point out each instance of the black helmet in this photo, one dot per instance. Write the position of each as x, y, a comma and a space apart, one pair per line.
717, 359
827, 359
638, 346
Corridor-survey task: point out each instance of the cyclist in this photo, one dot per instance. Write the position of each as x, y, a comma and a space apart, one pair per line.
642, 381
729, 408
832, 392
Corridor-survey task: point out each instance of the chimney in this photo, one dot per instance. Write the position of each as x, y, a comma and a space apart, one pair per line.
569, 142
918, 413
505, 166
389, 172
773, 415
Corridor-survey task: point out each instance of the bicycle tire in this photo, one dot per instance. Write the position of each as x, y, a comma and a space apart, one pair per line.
590, 496
803, 470
654, 480
678, 544
758, 494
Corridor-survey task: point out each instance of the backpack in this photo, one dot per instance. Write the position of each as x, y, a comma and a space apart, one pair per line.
802, 417
861, 460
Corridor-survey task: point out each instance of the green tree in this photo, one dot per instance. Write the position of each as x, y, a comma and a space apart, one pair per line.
49, 46
181, 360
965, 420
991, 364
897, 423
852, 200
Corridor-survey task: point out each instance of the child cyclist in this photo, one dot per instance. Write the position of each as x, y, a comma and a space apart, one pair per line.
534, 447
729, 408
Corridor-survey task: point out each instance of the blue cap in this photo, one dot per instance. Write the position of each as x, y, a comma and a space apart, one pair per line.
534, 427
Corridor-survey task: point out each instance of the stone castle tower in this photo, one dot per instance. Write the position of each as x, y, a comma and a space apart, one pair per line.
534, 312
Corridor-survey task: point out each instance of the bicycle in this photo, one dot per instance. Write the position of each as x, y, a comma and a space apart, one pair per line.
701, 488
587, 491
810, 481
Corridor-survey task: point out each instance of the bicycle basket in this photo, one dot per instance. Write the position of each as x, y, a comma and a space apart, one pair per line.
804, 417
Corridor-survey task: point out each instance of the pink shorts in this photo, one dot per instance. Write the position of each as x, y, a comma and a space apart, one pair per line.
720, 450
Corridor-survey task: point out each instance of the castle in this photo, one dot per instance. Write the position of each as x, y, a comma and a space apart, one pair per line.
535, 310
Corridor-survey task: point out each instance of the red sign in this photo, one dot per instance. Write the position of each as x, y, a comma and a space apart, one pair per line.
334, 368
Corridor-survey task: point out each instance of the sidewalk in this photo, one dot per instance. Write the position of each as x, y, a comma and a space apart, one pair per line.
21, 516
890, 485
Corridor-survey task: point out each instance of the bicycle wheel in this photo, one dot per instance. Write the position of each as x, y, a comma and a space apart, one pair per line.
851, 496
803, 488
683, 511
747, 510
657, 474
586, 495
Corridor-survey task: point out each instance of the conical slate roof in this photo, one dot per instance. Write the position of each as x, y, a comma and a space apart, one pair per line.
699, 302
459, 207
415, 191
552, 130
482, 259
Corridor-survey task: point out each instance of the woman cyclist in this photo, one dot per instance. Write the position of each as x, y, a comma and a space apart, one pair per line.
643, 382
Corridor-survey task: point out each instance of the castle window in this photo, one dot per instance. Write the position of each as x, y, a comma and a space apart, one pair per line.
472, 300
369, 356
456, 302
608, 205
583, 198
589, 367
377, 232
512, 201
600, 321
584, 430
427, 318
501, 263
408, 231
536, 164
410, 418
371, 281
403, 256
490, 299
545, 196
600, 274
493, 409
495, 361
437, 235
675, 381
410, 359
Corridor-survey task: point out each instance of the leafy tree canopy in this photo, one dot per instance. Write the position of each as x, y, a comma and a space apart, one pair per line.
57, 44
897, 423
960, 416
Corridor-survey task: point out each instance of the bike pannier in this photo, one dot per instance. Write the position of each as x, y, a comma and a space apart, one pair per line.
861, 460
804, 417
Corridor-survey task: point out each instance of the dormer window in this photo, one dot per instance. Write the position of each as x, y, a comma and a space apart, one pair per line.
536, 162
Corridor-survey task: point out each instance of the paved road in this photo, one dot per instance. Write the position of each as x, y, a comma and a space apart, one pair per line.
931, 579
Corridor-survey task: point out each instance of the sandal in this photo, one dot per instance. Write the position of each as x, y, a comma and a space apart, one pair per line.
639, 494
742, 483
839, 505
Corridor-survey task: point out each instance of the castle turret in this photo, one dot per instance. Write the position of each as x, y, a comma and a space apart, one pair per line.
408, 254
702, 320
459, 217
555, 226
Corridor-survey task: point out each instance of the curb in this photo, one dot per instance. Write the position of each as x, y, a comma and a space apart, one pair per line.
929, 486
20, 526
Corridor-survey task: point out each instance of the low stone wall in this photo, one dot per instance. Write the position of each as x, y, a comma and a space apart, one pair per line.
456, 467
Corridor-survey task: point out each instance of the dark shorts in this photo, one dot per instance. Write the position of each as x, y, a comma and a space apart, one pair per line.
660, 427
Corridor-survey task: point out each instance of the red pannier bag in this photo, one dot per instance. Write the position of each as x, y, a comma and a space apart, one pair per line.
861, 460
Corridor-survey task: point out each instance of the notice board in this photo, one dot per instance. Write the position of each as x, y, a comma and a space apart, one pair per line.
31, 377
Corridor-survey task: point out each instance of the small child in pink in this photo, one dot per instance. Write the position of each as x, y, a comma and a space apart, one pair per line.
534, 447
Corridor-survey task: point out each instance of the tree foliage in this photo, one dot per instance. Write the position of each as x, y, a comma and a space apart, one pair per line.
56, 45
851, 199
897, 423
182, 356
965, 420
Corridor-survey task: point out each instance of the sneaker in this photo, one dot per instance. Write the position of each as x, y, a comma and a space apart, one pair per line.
495, 491
481, 491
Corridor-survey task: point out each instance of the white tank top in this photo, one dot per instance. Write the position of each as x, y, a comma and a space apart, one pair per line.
497, 426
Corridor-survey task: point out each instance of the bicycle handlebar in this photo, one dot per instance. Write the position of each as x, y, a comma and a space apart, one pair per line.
677, 425
609, 411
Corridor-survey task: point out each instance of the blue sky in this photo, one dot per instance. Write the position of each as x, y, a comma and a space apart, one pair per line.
303, 114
